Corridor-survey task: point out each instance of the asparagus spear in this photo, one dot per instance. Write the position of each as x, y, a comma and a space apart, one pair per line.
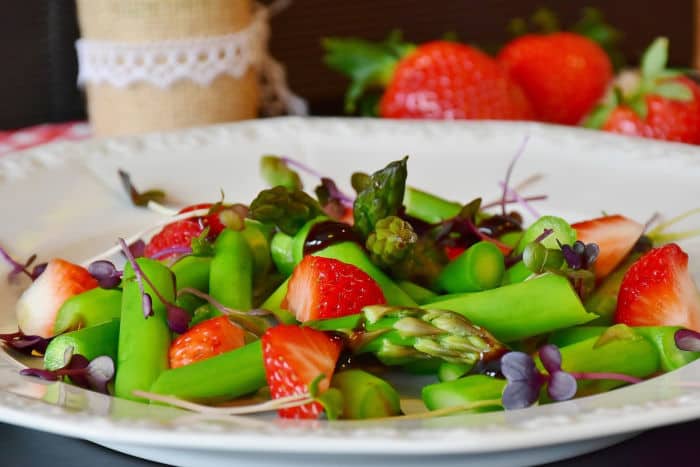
91, 342
231, 275
191, 272
365, 395
90, 308
517, 311
480, 267
428, 207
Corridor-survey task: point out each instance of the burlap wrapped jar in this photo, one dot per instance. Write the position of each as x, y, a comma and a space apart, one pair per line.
142, 106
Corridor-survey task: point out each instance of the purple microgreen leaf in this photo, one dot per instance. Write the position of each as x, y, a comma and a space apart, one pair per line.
561, 386
509, 172
328, 191
591, 253
687, 340
18, 268
106, 274
520, 394
138, 248
178, 319
100, 372
551, 358
27, 345
139, 198
39, 373
571, 257
76, 370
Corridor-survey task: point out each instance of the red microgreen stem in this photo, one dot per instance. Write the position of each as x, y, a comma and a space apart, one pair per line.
494, 204
509, 172
250, 321
19, 268
522, 201
173, 250
344, 198
140, 277
610, 376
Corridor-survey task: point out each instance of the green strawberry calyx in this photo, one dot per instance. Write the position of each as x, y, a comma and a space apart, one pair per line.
654, 79
368, 64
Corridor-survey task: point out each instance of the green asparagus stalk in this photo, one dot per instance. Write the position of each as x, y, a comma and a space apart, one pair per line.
522, 310
451, 371
365, 395
661, 337
428, 207
191, 272
478, 268
91, 342
463, 391
225, 376
231, 275
143, 342
96, 306
419, 294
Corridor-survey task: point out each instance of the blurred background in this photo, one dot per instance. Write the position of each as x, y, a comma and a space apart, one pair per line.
37, 42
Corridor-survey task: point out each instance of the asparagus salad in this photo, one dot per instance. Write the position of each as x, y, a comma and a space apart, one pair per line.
303, 303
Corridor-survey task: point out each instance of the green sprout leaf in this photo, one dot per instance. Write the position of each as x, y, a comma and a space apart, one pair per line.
674, 90
201, 246
655, 59
139, 198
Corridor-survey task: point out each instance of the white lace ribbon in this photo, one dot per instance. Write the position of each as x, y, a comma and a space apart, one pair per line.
197, 59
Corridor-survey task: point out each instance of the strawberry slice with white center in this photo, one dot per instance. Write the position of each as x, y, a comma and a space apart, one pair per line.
294, 357
658, 290
615, 235
39, 304
321, 288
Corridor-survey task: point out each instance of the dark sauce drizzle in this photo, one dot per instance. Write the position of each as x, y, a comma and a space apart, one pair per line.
327, 233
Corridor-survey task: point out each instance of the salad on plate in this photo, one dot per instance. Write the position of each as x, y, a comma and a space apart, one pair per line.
310, 304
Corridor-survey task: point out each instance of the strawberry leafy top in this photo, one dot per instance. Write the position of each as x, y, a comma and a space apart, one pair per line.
654, 79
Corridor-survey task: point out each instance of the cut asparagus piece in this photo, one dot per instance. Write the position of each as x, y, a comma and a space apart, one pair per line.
518, 311
365, 395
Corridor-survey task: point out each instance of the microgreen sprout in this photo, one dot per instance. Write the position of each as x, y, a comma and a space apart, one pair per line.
509, 172
28, 345
525, 380
139, 198
22, 268
580, 255
178, 319
659, 235
92, 374
335, 192
106, 274
254, 321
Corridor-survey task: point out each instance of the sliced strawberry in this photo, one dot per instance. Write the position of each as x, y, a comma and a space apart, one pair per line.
177, 234
39, 304
659, 291
322, 288
615, 236
205, 340
294, 357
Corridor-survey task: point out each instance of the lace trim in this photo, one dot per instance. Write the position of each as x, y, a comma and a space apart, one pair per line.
163, 63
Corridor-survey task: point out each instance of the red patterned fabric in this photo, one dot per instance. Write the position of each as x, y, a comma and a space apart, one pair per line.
16, 140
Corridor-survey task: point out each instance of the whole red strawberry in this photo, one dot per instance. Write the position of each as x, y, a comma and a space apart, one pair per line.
658, 290
452, 81
439, 79
294, 357
661, 105
563, 74
322, 288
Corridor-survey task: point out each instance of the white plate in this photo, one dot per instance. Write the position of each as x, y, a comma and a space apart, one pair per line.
66, 200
